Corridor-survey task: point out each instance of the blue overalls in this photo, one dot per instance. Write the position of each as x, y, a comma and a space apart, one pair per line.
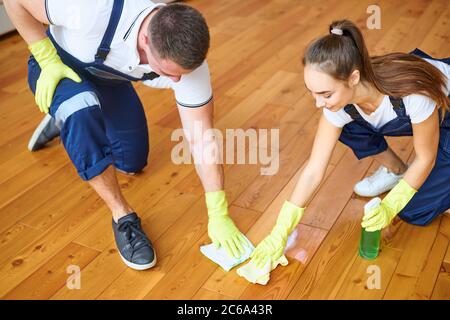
102, 120
433, 197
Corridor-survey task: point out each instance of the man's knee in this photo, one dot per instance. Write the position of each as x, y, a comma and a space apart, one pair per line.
133, 164
131, 150
83, 133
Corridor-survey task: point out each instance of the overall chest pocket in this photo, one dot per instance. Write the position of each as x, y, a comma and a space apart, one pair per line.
399, 126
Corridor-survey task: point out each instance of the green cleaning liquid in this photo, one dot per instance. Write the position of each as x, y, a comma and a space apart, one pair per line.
369, 244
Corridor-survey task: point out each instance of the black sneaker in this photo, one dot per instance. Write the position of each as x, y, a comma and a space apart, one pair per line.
45, 132
135, 249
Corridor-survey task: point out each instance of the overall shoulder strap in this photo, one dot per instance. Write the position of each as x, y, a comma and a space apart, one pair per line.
352, 112
399, 106
105, 45
421, 54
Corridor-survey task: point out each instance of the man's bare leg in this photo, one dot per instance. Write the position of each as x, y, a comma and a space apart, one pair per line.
107, 187
134, 246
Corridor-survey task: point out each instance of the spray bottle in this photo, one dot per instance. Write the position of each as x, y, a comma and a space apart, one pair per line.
369, 244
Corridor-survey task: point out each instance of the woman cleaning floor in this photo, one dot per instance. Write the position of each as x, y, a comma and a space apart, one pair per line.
365, 99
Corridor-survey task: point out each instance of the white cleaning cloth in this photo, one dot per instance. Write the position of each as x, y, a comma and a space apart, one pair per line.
257, 275
221, 257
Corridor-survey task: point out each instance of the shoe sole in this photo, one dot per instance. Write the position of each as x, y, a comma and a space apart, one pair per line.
374, 194
139, 267
125, 172
37, 133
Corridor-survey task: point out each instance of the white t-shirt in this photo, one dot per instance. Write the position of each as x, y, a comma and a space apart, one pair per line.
418, 107
78, 27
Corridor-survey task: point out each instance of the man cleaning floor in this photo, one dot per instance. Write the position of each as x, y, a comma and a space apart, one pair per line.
80, 72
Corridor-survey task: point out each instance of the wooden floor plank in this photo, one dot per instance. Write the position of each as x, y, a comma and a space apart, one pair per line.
183, 281
441, 290
333, 261
362, 282
417, 248
36, 254
34, 198
15, 238
430, 272
204, 294
107, 263
54, 274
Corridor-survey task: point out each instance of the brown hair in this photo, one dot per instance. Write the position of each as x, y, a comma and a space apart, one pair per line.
394, 74
179, 32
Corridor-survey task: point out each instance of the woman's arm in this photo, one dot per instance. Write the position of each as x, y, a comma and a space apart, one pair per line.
426, 140
272, 247
314, 171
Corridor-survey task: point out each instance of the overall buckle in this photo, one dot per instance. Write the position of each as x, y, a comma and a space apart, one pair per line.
102, 53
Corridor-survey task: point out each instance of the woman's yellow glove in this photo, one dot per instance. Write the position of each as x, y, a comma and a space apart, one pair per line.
381, 216
53, 70
221, 229
273, 245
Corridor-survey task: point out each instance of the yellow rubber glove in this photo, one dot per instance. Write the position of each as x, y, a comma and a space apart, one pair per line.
221, 229
53, 70
273, 245
381, 216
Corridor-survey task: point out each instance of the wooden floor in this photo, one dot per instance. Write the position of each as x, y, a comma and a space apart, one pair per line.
50, 219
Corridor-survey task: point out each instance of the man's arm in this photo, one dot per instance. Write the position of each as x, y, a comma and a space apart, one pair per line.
211, 174
28, 16
221, 228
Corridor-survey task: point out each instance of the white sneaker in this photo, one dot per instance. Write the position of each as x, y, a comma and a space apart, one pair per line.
381, 181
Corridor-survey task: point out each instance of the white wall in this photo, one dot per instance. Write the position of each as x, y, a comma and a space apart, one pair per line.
5, 24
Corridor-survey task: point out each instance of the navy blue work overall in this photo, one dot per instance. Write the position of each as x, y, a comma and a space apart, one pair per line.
102, 120
433, 197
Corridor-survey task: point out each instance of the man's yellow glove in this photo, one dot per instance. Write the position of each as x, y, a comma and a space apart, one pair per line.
221, 229
381, 216
273, 245
53, 70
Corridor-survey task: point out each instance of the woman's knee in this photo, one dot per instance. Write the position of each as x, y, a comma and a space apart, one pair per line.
420, 216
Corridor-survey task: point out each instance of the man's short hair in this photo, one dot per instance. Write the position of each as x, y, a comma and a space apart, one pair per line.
179, 33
